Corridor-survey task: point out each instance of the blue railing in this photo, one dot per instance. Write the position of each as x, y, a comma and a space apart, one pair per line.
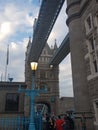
19, 123
13, 123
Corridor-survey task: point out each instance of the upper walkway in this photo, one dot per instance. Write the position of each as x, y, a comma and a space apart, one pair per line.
42, 27
62, 52
47, 16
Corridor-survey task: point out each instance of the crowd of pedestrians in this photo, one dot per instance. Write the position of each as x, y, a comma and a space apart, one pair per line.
52, 122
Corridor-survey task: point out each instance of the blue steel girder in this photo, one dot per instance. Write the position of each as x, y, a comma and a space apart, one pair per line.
47, 16
61, 53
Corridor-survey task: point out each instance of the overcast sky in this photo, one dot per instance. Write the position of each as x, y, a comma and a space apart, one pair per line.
16, 25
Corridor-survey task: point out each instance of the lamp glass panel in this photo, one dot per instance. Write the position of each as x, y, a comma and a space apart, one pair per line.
34, 65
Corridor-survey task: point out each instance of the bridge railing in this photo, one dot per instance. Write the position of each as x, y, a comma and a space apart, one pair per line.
13, 123
19, 123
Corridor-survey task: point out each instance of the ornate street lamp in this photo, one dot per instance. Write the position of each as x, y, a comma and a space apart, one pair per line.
32, 111
32, 93
34, 66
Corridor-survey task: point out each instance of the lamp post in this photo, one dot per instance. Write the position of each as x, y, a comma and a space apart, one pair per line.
32, 93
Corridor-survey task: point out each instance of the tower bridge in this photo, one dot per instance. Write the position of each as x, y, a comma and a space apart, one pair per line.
48, 14
83, 29
39, 51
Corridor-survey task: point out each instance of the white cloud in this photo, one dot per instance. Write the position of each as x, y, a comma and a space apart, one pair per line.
8, 19
5, 28
15, 18
16, 60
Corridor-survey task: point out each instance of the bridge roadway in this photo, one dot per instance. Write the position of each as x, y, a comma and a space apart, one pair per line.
47, 16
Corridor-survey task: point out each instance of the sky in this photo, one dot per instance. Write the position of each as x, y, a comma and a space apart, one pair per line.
16, 26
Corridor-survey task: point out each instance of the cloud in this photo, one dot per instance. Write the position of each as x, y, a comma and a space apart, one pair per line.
17, 56
16, 60
15, 21
5, 28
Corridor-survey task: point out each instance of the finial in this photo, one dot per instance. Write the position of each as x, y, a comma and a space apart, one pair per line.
55, 44
30, 38
55, 40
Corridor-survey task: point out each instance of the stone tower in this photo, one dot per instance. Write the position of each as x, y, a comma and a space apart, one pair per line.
46, 77
83, 30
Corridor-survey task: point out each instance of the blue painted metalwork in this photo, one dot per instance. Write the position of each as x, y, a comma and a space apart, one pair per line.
38, 121
19, 123
35, 120
14, 123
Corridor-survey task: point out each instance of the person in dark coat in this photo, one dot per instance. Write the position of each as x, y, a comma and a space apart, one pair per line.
52, 123
47, 121
69, 123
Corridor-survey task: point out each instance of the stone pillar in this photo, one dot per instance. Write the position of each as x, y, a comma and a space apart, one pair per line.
77, 60
80, 85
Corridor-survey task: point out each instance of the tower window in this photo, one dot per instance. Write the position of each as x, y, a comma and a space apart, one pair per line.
96, 22
12, 102
88, 24
92, 55
95, 104
91, 44
95, 66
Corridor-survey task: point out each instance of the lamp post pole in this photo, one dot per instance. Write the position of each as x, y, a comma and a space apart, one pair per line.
32, 111
32, 93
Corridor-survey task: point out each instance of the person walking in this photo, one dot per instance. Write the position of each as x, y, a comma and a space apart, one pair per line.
44, 121
69, 123
65, 124
52, 123
59, 123
47, 121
